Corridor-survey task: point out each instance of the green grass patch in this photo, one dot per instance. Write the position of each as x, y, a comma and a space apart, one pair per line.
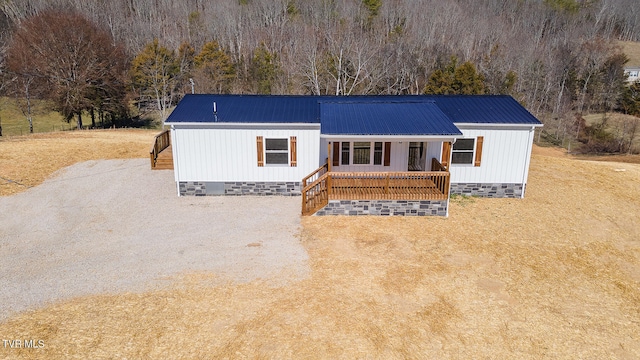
14, 122
462, 200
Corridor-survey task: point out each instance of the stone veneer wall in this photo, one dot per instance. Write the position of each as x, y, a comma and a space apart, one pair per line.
487, 190
195, 188
385, 207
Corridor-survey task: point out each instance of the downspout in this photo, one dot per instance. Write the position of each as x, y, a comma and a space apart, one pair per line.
174, 151
525, 171
449, 170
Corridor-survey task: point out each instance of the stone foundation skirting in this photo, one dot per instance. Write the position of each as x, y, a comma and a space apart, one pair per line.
487, 190
195, 188
385, 207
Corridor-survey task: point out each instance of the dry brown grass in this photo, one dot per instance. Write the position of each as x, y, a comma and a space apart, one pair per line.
29, 160
632, 50
555, 275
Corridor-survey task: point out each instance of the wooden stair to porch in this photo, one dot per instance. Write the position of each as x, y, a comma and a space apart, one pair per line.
161, 154
164, 160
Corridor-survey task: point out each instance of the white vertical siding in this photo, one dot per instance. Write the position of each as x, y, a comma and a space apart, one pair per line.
505, 155
324, 154
398, 157
434, 150
218, 155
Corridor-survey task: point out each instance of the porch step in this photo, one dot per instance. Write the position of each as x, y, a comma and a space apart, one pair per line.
164, 160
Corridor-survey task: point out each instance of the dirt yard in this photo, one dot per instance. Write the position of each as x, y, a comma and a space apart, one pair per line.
553, 276
116, 225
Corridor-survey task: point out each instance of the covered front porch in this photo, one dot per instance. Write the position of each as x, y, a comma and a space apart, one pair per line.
381, 155
420, 189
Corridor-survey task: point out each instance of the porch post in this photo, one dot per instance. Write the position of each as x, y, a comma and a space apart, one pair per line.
329, 157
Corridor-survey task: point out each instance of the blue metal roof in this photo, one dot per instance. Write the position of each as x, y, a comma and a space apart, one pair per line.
484, 109
245, 109
340, 115
384, 118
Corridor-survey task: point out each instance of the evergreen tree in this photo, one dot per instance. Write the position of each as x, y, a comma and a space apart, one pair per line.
154, 75
467, 81
214, 68
264, 69
373, 6
629, 102
455, 79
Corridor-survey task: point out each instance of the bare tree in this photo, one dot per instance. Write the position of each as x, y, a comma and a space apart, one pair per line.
4, 77
548, 54
64, 57
155, 74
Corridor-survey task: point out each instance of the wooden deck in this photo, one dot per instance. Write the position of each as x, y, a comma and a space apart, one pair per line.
427, 185
378, 188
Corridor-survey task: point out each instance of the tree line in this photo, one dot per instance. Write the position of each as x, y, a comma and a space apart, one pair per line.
557, 57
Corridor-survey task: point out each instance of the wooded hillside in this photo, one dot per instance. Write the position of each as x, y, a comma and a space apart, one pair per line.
558, 57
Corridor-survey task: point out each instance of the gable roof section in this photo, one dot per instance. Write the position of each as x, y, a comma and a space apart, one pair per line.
484, 109
384, 118
356, 115
245, 109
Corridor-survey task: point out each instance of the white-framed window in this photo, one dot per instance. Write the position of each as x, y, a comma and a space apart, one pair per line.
377, 153
467, 151
346, 154
363, 153
462, 151
276, 151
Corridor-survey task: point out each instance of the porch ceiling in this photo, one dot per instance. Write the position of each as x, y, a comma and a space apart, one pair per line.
393, 138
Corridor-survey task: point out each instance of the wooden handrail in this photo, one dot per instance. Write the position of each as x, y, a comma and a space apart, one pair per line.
315, 195
316, 173
160, 142
430, 185
436, 165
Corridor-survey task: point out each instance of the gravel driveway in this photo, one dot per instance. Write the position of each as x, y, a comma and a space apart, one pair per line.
115, 225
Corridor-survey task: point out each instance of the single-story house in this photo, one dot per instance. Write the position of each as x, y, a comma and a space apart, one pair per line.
632, 73
378, 155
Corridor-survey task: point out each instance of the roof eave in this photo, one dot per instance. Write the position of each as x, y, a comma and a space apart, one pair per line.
502, 126
242, 125
435, 137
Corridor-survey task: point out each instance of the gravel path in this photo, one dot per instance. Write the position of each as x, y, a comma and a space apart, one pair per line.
115, 225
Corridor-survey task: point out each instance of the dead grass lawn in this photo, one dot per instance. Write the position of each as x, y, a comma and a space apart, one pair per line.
632, 50
553, 276
28, 160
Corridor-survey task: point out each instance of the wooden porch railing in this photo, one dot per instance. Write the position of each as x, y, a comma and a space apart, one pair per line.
432, 185
436, 165
315, 174
161, 142
315, 196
